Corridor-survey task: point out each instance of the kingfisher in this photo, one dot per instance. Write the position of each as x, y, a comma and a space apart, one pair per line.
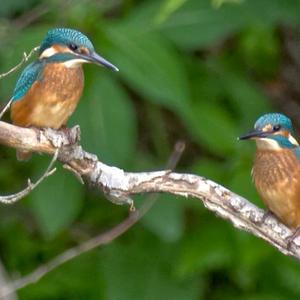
276, 169
49, 89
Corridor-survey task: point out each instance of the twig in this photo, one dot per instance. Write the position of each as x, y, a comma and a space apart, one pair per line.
5, 281
101, 239
120, 185
10, 199
23, 60
30, 16
3, 111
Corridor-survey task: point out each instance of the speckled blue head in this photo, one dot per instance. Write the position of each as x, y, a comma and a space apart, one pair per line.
272, 131
70, 45
76, 49
274, 119
65, 36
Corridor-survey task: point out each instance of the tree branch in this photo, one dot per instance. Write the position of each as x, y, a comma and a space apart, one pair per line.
23, 60
12, 198
119, 185
101, 239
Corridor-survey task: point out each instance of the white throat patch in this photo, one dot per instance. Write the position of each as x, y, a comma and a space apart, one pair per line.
292, 140
74, 63
271, 144
48, 52
267, 144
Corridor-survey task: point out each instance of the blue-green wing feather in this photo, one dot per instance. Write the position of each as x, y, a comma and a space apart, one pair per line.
297, 152
30, 74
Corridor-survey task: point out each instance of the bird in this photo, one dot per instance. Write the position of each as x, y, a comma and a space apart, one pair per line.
276, 168
49, 89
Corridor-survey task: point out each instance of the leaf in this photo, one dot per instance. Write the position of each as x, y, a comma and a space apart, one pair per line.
241, 182
219, 3
72, 280
211, 169
288, 274
213, 128
107, 119
151, 66
167, 8
245, 97
141, 271
11, 54
205, 249
9, 8
259, 46
56, 202
197, 24
166, 218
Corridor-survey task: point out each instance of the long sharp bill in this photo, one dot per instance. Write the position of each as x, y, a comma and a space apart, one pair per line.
99, 60
253, 134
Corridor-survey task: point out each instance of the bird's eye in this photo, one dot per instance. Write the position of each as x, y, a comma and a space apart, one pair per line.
73, 47
276, 127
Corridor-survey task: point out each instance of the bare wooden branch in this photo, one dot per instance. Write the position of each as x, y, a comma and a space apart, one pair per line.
120, 186
23, 60
12, 198
5, 282
6, 107
101, 239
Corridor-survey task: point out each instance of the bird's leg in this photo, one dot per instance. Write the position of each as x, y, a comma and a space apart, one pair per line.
64, 136
266, 215
37, 131
57, 139
73, 134
290, 239
77, 175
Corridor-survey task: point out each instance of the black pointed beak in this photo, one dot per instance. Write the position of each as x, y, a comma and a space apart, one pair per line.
95, 58
254, 134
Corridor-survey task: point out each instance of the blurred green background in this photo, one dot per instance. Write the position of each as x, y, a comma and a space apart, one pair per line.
201, 71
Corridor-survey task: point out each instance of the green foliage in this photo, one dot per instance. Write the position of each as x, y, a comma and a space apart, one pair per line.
195, 70
107, 119
151, 66
148, 264
57, 203
168, 8
168, 210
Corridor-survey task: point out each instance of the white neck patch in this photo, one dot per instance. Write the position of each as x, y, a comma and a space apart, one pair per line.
267, 144
271, 144
292, 140
74, 63
48, 52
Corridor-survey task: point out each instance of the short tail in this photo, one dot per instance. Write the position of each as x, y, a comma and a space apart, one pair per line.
23, 155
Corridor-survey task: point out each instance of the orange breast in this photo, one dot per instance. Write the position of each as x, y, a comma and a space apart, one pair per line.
276, 175
51, 100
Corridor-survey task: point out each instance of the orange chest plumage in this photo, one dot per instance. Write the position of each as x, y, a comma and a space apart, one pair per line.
52, 98
276, 175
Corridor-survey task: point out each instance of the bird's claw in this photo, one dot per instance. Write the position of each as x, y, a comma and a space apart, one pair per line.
266, 215
290, 239
72, 134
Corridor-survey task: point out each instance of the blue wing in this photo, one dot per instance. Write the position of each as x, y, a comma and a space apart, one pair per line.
30, 74
297, 152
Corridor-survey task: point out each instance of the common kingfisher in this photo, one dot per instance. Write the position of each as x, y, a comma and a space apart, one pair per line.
276, 170
48, 90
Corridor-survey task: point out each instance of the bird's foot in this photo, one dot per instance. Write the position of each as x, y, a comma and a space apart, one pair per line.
72, 134
290, 239
266, 215
56, 138
38, 132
